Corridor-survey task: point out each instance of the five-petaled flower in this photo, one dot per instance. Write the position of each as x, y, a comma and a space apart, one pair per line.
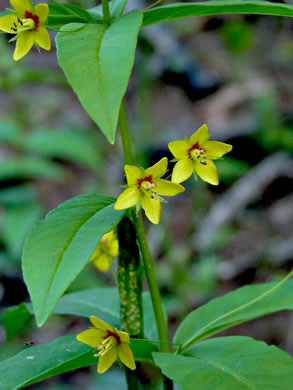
195, 155
111, 343
105, 252
28, 22
144, 187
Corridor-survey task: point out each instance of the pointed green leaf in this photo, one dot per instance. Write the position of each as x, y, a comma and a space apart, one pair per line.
60, 246
84, 304
220, 7
229, 363
233, 308
61, 355
97, 61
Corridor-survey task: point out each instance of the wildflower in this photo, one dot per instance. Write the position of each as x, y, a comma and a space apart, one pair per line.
28, 22
144, 187
195, 155
111, 343
105, 252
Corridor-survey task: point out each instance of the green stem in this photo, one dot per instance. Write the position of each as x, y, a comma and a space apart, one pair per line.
146, 254
106, 11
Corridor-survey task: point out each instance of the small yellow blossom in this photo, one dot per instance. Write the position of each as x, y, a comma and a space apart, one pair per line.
195, 155
111, 343
144, 187
28, 22
105, 252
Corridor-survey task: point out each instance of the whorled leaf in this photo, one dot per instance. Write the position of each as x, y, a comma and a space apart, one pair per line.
60, 246
97, 61
229, 363
219, 7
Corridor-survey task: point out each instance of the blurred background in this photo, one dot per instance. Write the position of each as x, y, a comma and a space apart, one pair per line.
234, 73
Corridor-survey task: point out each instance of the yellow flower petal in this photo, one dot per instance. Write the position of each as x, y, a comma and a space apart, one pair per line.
21, 6
182, 170
178, 148
132, 174
114, 248
126, 356
127, 199
102, 262
157, 170
6, 22
152, 208
106, 361
200, 136
101, 325
124, 336
91, 337
165, 187
42, 10
216, 149
207, 172
24, 43
42, 38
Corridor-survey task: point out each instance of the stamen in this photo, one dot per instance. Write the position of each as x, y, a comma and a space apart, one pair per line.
204, 156
15, 25
153, 185
20, 21
203, 162
14, 29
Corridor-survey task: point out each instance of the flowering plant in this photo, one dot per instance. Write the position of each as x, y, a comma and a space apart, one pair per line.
96, 50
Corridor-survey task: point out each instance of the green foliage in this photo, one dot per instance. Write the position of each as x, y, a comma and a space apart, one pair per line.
61, 355
97, 62
229, 363
16, 319
17, 223
220, 7
233, 308
83, 304
27, 167
72, 145
60, 246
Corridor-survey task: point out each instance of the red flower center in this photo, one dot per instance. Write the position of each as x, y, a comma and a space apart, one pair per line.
147, 178
115, 335
35, 18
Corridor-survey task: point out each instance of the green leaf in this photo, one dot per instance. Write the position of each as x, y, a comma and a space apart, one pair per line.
220, 7
229, 363
29, 167
72, 145
16, 319
98, 60
18, 195
61, 355
10, 133
67, 9
117, 7
234, 308
84, 304
60, 246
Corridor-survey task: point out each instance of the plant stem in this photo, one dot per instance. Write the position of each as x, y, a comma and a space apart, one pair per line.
146, 254
106, 11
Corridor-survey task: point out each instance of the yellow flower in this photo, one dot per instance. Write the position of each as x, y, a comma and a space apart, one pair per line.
111, 343
195, 155
28, 22
105, 252
144, 187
